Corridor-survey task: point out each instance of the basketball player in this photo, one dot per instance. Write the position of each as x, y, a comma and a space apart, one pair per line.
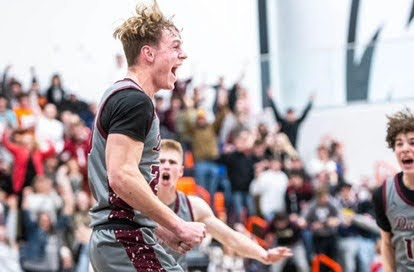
394, 200
192, 208
124, 155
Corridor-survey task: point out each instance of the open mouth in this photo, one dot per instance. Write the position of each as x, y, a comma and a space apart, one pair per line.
174, 70
407, 162
165, 177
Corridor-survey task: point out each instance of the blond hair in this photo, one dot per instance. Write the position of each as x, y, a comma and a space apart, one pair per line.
144, 28
172, 145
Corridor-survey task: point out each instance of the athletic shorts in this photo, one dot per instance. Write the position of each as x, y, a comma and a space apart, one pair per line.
129, 250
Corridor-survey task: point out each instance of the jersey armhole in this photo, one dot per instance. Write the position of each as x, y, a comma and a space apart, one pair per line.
190, 208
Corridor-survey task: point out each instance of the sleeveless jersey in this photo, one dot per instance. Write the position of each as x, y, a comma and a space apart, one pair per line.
400, 213
182, 207
109, 206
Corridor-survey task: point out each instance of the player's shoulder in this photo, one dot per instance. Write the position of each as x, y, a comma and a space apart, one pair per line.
130, 101
131, 96
196, 200
199, 206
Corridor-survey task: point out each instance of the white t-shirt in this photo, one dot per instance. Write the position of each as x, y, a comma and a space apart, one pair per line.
317, 166
271, 187
50, 130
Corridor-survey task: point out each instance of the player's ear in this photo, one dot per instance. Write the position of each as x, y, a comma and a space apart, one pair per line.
181, 172
147, 52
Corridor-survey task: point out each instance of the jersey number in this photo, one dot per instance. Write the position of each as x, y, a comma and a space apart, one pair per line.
155, 170
409, 248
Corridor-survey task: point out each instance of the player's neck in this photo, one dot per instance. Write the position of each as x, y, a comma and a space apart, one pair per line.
142, 78
408, 180
167, 196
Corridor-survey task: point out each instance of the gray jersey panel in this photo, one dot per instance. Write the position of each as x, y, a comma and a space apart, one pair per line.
183, 210
129, 250
401, 216
109, 207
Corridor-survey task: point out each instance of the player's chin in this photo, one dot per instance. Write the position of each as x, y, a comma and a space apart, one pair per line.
408, 169
164, 183
169, 86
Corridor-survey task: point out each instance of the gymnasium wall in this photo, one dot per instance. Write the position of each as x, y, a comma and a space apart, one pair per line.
346, 51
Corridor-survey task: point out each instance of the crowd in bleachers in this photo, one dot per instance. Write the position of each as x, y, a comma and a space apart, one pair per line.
44, 194
308, 206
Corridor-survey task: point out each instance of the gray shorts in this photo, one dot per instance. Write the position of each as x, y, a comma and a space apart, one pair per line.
129, 250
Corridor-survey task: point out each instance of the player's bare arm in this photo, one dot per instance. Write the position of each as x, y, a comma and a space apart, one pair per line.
387, 252
237, 241
123, 154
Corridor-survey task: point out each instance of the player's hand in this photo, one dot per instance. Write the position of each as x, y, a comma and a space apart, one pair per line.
192, 233
183, 248
175, 244
277, 254
171, 240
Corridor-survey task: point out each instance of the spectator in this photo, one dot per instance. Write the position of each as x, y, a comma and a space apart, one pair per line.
284, 232
295, 165
240, 170
205, 148
262, 131
160, 108
290, 124
171, 115
323, 219
43, 198
76, 146
322, 163
4, 88
260, 151
270, 186
80, 227
69, 119
69, 174
6, 183
34, 90
8, 120
55, 94
28, 159
7, 117
324, 181
280, 146
348, 232
42, 251
25, 112
298, 194
368, 231
180, 89
337, 154
88, 115
48, 129
221, 95
75, 105
50, 167
9, 252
